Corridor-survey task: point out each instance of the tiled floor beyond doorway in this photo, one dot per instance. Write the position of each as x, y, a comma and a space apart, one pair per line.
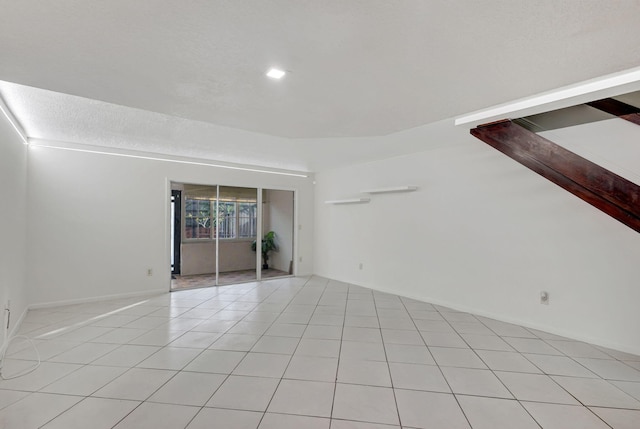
231, 277
306, 353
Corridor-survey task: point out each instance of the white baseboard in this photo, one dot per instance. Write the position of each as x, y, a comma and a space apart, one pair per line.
40, 305
538, 326
18, 324
541, 327
50, 304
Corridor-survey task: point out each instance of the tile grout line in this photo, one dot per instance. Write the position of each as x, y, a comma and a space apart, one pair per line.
384, 348
239, 362
493, 372
264, 413
351, 295
436, 362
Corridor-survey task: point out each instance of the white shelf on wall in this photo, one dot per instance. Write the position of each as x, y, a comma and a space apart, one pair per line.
391, 190
349, 201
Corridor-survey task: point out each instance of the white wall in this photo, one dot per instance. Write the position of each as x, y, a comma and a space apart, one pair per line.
280, 214
199, 257
482, 234
13, 224
98, 222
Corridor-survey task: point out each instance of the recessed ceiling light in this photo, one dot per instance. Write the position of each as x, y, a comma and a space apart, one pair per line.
275, 73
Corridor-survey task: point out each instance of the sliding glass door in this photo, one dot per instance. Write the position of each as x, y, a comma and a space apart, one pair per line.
227, 234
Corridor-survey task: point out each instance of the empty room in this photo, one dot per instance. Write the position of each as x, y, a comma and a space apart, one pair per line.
355, 214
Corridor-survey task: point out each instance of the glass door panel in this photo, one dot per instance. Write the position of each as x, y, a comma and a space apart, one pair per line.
277, 231
195, 253
236, 226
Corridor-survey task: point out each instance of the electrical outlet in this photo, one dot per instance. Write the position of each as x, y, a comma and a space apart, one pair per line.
149, 272
360, 266
544, 298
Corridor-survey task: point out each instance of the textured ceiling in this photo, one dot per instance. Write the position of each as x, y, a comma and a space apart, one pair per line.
358, 68
48, 115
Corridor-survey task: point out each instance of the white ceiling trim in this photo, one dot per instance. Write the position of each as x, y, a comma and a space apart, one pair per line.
38, 143
593, 89
13, 121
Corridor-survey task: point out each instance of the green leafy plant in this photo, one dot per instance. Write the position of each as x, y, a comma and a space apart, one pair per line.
268, 244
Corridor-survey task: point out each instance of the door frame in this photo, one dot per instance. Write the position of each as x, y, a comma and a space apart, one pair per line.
176, 200
168, 220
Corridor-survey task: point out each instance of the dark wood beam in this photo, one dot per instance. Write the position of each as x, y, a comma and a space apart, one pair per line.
633, 117
603, 189
618, 108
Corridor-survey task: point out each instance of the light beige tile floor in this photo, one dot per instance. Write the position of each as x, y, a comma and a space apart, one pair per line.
306, 353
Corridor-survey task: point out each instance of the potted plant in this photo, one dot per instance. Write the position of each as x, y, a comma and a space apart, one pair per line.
268, 244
